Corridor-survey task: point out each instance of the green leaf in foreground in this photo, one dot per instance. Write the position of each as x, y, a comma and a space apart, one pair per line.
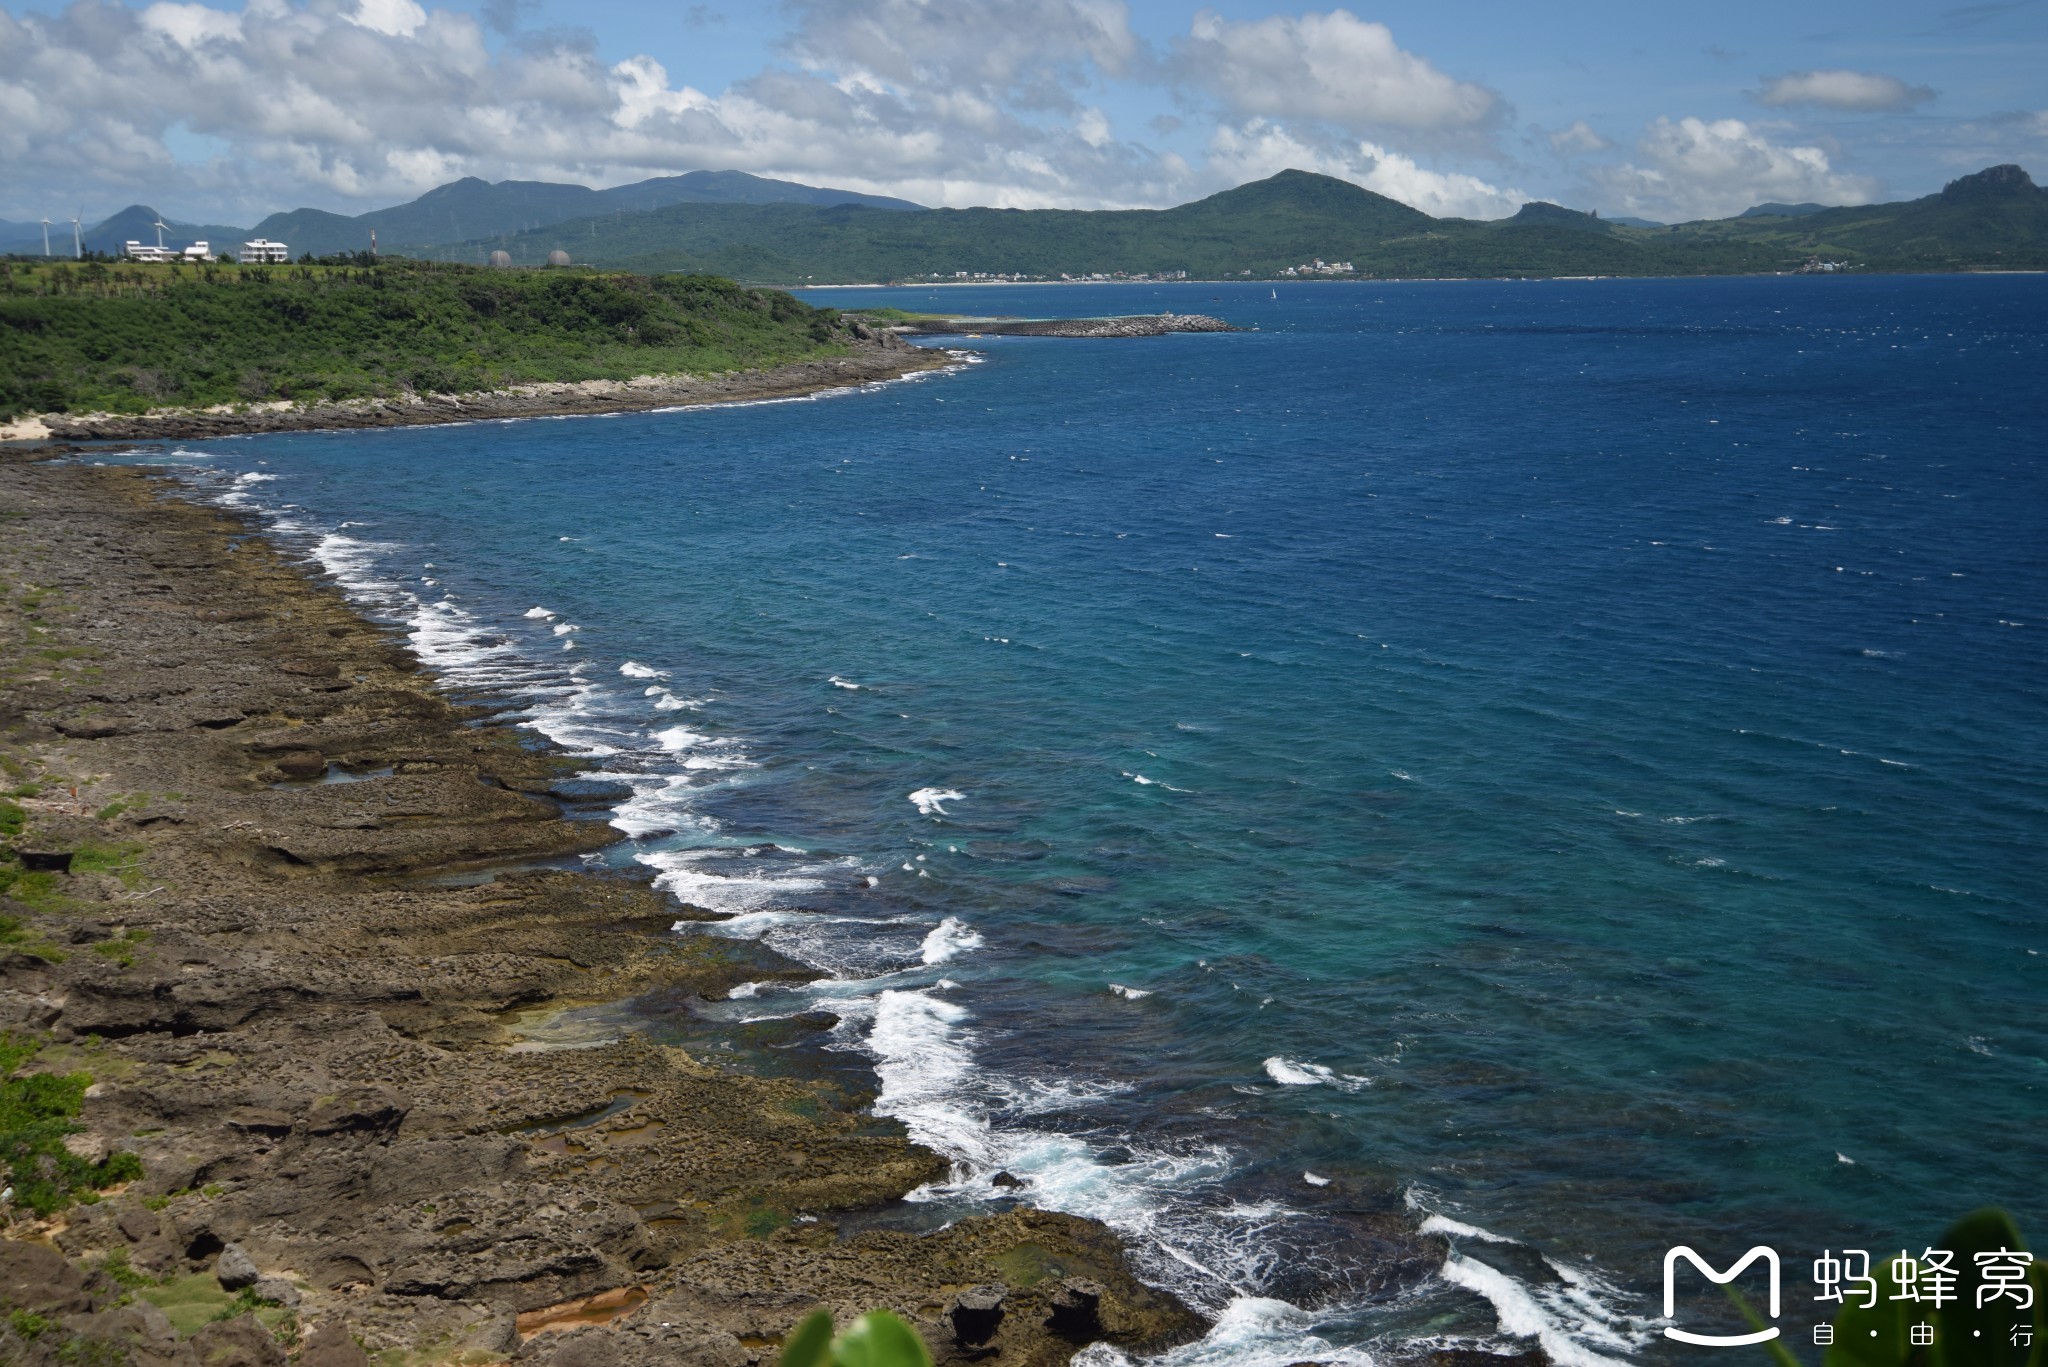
879, 1339
1982, 1321
811, 1344
1875, 1336
1967, 1335
876, 1339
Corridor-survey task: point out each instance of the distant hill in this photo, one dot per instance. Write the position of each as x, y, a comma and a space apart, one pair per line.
134, 224
1256, 230
1556, 215
1995, 218
473, 210
1287, 220
27, 238
751, 229
1781, 210
1625, 221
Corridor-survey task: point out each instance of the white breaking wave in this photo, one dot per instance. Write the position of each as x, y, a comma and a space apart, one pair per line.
1444, 1224
928, 800
680, 738
1130, 994
632, 669
686, 873
1579, 1319
951, 937
848, 684
1252, 1331
1289, 1073
922, 1058
1564, 1319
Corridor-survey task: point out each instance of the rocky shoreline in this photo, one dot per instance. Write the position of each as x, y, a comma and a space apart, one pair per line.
1132, 325
303, 920
881, 356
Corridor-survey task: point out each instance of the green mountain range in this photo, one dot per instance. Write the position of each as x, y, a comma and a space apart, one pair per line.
754, 229
1995, 219
460, 211
471, 209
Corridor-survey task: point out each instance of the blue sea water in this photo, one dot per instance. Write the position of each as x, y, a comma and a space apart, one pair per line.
1559, 764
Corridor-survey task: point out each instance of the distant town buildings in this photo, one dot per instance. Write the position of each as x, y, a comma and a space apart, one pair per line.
1315, 267
259, 252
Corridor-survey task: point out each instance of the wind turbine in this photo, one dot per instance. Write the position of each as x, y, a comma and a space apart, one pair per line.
77, 237
160, 225
46, 237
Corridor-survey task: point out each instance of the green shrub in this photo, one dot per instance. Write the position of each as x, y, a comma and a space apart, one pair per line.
37, 1111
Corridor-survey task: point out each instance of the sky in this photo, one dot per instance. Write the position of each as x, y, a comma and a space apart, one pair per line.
223, 112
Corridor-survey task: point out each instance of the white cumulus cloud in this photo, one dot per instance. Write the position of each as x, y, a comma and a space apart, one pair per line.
346, 103
1334, 67
1260, 148
1695, 168
1856, 90
1028, 51
1580, 137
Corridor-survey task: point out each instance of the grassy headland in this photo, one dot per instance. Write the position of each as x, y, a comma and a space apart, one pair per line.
129, 338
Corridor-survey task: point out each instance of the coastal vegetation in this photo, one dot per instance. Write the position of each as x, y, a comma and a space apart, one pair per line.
1995, 219
130, 337
38, 1112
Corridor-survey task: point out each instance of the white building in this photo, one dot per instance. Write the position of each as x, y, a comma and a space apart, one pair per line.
197, 252
264, 252
137, 251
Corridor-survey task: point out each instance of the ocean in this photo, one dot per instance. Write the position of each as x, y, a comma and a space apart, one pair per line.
1558, 765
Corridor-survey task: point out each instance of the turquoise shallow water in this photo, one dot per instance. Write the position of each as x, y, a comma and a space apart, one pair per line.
1564, 760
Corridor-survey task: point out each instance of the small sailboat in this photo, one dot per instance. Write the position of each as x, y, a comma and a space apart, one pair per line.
1276, 294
